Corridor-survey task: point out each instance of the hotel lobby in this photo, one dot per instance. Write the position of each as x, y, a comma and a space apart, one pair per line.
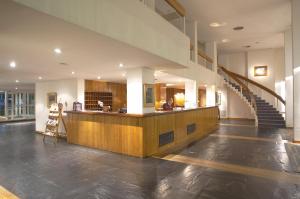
149, 99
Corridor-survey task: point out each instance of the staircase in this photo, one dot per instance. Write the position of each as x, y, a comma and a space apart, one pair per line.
266, 115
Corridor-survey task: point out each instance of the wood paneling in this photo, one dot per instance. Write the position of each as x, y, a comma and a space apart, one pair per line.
201, 97
119, 91
139, 136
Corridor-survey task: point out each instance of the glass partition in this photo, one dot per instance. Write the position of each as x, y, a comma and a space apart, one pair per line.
17, 105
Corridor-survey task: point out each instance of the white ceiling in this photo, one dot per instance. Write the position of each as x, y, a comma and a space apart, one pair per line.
29, 37
264, 22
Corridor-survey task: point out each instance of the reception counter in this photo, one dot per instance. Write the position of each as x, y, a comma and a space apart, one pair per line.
140, 135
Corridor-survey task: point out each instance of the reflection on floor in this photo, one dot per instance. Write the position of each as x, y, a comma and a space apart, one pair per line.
234, 162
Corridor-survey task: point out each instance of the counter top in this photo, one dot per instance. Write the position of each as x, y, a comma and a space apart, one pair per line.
135, 115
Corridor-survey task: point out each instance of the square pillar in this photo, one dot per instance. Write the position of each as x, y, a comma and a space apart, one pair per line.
296, 66
288, 53
211, 95
136, 78
191, 94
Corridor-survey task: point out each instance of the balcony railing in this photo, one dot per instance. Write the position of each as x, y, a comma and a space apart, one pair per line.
203, 59
170, 10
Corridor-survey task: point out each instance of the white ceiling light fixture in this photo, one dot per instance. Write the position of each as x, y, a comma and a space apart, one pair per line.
99, 77
12, 64
57, 51
217, 24
17, 81
225, 40
40, 78
123, 74
121, 65
73, 73
16, 88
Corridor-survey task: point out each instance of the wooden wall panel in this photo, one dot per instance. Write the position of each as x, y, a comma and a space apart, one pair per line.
119, 91
139, 136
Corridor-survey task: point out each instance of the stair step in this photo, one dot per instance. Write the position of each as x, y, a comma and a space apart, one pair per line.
262, 125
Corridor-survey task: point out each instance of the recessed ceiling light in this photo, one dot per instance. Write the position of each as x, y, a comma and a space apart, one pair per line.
98, 77
40, 78
238, 28
217, 24
17, 81
121, 65
73, 73
225, 40
57, 51
16, 88
12, 64
123, 74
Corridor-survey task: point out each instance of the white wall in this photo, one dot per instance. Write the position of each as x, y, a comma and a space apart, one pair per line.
243, 64
128, 21
68, 91
274, 59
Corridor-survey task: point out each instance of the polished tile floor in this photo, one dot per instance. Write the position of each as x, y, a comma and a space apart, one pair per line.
237, 161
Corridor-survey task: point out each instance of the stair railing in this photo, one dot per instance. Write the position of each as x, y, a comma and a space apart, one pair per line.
243, 87
278, 98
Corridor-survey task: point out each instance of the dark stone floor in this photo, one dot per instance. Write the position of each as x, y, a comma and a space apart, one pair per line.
33, 170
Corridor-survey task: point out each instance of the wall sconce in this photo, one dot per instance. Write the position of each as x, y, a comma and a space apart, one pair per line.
260, 71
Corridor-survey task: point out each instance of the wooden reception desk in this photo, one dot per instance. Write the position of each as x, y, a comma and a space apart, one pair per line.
140, 135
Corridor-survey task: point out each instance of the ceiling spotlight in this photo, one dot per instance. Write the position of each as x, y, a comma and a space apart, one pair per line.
237, 28
40, 78
12, 64
225, 40
217, 24
57, 51
73, 73
16, 88
98, 77
17, 81
121, 65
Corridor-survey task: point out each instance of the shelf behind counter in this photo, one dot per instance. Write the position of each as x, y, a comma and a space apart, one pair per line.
140, 135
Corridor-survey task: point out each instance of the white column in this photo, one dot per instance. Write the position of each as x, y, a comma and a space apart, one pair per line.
136, 78
211, 51
288, 50
191, 94
196, 41
296, 64
211, 95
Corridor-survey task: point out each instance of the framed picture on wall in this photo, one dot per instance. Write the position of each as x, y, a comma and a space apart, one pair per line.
51, 98
149, 98
260, 71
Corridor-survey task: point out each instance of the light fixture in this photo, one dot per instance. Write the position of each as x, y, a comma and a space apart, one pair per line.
12, 64
98, 77
170, 85
217, 24
17, 81
57, 51
16, 88
121, 65
237, 28
73, 73
40, 78
225, 40
123, 74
